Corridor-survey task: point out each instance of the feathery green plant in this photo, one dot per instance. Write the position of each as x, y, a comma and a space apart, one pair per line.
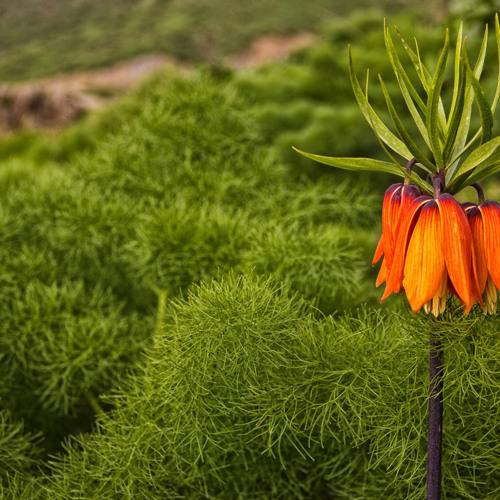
249, 395
322, 263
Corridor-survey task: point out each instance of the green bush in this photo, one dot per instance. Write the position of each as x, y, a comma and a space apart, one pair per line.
247, 395
321, 263
183, 190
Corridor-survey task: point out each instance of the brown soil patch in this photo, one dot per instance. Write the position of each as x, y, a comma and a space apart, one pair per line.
58, 101
268, 49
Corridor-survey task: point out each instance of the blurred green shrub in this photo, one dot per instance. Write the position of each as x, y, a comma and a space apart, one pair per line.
185, 188
321, 263
19, 454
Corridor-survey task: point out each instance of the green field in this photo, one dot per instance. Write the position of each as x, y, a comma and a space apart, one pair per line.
188, 306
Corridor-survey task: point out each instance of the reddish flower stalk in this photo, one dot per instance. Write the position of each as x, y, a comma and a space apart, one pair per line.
433, 247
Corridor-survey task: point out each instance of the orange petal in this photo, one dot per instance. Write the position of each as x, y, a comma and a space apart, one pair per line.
379, 251
396, 204
424, 265
479, 262
457, 248
382, 274
395, 273
490, 210
390, 219
408, 194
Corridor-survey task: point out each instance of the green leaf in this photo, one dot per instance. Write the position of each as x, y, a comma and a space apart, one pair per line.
485, 170
372, 118
457, 81
457, 108
432, 119
479, 155
477, 158
405, 136
463, 130
425, 78
483, 105
497, 91
401, 74
365, 164
422, 72
407, 89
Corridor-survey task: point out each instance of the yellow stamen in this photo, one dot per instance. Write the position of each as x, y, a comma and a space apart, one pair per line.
490, 297
437, 304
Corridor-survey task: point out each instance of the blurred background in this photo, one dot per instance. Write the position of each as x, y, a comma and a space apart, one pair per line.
77, 54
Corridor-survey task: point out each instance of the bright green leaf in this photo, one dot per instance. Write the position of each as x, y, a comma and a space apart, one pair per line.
456, 114
483, 105
463, 129
407, 89
365, 164
432, 118
422, 72
485, 170
458, 71
372, 118
475, 160
405, 136
400, 73
479, 155
497, 91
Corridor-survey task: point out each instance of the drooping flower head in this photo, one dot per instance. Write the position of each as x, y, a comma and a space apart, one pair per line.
433, 255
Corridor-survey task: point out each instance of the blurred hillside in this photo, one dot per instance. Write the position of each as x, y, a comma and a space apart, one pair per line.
59, 60
44, 37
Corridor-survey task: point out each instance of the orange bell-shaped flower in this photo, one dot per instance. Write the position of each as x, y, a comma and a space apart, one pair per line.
397, 200
433, 255
484, 221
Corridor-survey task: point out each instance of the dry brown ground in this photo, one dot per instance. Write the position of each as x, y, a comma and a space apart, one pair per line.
58, 101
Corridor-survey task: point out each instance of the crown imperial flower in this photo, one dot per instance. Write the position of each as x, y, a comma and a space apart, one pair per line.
431, 247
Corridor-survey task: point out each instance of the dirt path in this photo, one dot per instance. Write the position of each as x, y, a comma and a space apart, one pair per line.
57, 101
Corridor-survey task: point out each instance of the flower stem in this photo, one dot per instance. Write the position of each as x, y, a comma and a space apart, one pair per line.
409, 167
480, 192
435, 419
